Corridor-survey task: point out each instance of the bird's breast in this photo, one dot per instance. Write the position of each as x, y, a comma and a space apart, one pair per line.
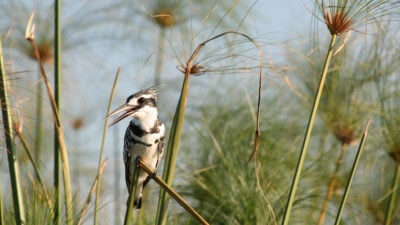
145, 146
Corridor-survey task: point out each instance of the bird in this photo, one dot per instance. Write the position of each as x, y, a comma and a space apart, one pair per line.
144, 137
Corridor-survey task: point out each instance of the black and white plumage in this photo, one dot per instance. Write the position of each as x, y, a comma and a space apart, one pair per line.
144, 137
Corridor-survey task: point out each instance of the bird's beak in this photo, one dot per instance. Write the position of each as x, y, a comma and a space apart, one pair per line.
127, 109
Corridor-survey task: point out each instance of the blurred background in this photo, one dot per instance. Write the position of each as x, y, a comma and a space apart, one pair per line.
149, 41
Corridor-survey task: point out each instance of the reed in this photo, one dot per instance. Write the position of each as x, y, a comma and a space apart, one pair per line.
352, 173
176, 128
103, 141
57, 99
29, 35
19, 210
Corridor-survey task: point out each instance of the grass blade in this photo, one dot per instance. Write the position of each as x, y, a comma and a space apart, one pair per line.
10, 147
103, 142
38, 177
57, 98
352, 173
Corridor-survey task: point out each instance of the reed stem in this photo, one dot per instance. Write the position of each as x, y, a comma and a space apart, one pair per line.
57, 98
103, 142
172, 150
173, 194
59, 131
303, 152
39, 118
352, 173
19, 211
129, 208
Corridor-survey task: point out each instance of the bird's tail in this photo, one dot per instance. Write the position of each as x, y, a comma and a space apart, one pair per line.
138, 203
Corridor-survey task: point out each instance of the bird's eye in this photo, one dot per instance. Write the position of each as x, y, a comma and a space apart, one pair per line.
141, 100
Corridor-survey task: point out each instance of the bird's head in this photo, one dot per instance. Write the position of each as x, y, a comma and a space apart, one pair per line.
141, 105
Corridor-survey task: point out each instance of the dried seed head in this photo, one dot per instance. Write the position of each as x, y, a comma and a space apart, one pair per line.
338, 22
45, 51
342, 16
164, 18
196, 69
345, 135
78, 123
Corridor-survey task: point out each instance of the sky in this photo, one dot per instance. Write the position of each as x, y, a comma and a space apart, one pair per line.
93, 54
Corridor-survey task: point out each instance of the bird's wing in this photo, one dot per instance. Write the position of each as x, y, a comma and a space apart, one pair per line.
127, 159
160, 146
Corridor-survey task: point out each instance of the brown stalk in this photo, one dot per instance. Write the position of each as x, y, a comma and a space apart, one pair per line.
29, 35
172, 193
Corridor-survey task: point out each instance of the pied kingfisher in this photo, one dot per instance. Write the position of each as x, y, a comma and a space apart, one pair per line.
144, 137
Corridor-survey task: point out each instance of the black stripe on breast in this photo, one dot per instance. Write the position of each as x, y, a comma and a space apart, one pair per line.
137, 130
130, 140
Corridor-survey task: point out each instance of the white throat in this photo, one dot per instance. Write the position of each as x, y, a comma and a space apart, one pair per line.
145, 117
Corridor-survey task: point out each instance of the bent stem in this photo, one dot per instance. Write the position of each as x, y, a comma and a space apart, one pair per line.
307, 136
392, 200
172, 193
332, 184
352, 173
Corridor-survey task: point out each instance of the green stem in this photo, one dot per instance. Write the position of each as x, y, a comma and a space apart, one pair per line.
352, 173
19, 211
103, 142
307, 137
172, 150
393, 195
57, 88
60, 137
117, 177
129, 208
36, 169
39, 118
